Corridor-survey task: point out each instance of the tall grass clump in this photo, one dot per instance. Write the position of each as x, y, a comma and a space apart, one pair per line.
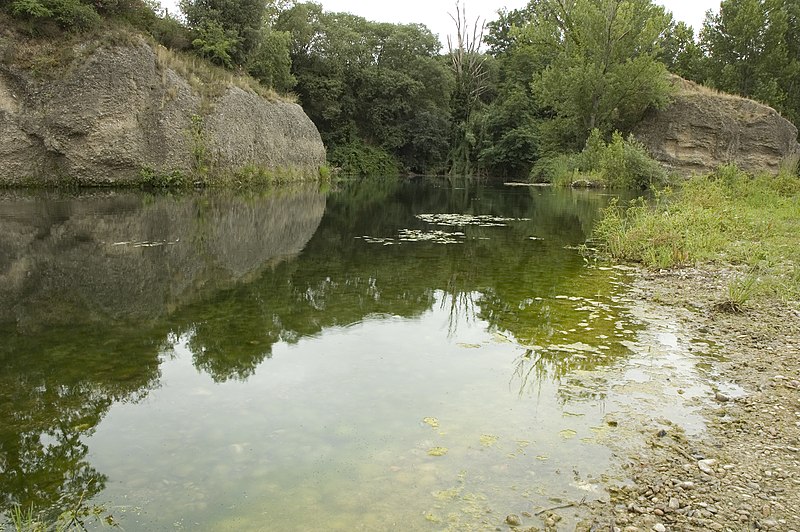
619, 163
727, 217
211, 80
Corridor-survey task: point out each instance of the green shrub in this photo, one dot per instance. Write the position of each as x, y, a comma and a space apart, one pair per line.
170, 33
560, 170
31, 9
358, 159
215, 43
618, 164
70, 15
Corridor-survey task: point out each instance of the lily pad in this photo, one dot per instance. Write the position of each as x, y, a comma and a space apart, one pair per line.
567, 434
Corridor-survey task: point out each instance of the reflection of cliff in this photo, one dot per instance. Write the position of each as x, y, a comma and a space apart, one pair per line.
86, 284
129, 256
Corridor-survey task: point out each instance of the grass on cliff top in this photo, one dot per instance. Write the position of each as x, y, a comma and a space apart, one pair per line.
211, 80
726, 218
48, 57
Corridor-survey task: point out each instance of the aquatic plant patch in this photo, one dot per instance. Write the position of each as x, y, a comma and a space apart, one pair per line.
416, 235
460, 220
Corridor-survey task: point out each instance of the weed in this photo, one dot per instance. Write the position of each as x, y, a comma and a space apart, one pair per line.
24, 520
728, 217
149, 178
325, 172
740, 291
199, 146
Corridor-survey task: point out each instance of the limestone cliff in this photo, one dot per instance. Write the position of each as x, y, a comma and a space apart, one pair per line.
703, 129
118, 108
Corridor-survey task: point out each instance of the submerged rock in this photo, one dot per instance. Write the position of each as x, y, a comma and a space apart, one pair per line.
703, 129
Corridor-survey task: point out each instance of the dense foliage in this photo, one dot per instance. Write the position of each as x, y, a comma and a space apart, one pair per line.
378, 92
752, 48
498, 100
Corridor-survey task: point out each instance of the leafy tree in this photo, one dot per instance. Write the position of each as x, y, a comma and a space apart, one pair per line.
754, 50
605, 73
681, 54
509, 135
368, 86
216, 43
223, 22
270, 62
502, 33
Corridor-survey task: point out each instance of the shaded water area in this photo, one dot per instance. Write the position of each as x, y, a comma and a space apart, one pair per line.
387, 355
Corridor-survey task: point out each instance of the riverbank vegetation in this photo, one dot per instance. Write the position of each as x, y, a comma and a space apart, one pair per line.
500, 99
726, 218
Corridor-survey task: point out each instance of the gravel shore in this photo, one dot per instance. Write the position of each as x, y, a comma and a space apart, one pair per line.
743, 471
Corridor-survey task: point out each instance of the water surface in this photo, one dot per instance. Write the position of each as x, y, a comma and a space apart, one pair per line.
388, 355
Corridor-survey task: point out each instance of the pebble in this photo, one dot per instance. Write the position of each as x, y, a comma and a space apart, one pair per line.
513, 520
707, 466
658, 527
722, 398
674, 503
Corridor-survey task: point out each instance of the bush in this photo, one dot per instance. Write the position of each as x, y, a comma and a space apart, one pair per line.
70, 15
618, 164
358, 159
215, 43
30, 9
560, 170
170, 33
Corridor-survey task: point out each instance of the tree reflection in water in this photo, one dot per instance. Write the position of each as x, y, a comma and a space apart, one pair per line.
237, 274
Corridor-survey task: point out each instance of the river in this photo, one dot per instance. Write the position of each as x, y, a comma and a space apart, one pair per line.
385, 355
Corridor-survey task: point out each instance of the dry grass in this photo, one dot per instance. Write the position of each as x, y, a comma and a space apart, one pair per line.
48, 58
211, 80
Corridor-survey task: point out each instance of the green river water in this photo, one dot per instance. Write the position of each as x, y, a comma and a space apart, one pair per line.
387, 355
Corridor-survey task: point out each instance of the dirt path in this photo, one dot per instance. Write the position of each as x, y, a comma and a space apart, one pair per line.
743, 472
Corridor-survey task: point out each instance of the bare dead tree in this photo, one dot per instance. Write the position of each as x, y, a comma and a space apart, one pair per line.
466, 59
471, 76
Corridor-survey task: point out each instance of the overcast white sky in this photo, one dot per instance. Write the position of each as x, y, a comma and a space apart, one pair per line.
434, 13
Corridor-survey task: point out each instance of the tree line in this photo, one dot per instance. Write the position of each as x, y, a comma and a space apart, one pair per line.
534, 82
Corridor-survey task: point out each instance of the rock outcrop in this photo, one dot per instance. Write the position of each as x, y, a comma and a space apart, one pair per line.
116, 109
703, 129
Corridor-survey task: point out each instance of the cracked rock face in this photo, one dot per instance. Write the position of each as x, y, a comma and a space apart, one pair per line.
116, 109
703, 129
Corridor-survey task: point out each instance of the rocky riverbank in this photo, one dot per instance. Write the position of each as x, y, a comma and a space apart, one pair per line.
743, 471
